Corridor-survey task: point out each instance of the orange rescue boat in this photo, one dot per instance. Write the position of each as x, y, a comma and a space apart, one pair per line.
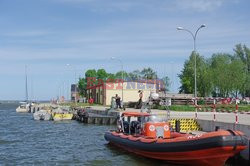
138, 133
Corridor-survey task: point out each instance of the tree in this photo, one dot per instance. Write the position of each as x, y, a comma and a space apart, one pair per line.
111, 76
119, 75
243, 53
166, 82
237, 77
220, 66
82, 85
228, 76
187, 75
101, 74
204, 78
135, 75
90, 73
148, 73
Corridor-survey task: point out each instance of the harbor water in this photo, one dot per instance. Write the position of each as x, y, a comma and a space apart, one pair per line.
24, 141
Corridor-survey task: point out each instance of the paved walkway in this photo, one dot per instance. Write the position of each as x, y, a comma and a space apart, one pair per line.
220, 117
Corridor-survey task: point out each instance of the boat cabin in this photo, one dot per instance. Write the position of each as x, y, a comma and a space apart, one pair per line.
143, 124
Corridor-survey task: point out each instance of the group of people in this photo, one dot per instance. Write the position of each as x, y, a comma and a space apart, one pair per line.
118, 102
138, 104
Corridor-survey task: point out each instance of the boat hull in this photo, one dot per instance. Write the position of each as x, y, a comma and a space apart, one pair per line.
42, 115
64, 116
213, 150
22, 110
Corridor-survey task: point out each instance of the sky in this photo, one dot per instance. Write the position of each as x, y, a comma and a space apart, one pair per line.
46, 35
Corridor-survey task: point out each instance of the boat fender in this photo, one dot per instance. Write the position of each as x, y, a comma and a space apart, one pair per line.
233, 134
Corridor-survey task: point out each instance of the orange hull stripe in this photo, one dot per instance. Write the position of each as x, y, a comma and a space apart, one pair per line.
213, 156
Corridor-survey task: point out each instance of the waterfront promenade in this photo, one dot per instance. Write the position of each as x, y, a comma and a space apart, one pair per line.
219, 116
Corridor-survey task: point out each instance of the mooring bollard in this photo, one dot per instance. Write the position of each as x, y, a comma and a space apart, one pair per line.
177, 125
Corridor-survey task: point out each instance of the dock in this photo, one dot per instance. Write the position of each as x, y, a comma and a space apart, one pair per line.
97, 115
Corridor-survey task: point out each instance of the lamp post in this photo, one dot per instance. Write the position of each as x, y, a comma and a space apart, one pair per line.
75, 80
114, 58
194, 38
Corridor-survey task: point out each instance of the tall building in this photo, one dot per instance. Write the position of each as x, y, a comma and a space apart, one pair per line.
74, 93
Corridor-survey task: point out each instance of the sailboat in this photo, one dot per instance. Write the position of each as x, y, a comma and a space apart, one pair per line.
25, 106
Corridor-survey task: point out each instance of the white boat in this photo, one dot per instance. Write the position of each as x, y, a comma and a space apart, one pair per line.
42, 115
24, 107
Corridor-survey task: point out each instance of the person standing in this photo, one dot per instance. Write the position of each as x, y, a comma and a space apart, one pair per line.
139, 104
118, 101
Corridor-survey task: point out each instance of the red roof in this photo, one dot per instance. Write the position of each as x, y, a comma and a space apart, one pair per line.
135, 114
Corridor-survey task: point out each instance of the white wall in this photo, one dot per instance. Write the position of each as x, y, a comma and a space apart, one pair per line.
130, 91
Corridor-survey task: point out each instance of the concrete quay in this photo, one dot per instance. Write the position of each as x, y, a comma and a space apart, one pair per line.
97, 115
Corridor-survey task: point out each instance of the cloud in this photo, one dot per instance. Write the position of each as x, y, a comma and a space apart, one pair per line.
199, 5
127, 5
103, 5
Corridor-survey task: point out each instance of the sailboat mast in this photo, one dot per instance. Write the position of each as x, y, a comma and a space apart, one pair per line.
26, 84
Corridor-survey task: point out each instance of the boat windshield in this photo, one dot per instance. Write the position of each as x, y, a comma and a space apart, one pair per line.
144, 119
156, 118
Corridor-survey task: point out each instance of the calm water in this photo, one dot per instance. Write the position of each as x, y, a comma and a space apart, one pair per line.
24, 141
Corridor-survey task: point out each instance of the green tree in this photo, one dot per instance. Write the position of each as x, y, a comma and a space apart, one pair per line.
220, 66
166, 82
148, 73
228, 75
187, 75
243, 53
111, 76
204, 78
90, 73
82, 85
119, 74
102, 74
237, 77
135, 75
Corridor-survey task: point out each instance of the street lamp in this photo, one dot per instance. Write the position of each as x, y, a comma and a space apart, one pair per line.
114, 58
75, 80
194, 38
